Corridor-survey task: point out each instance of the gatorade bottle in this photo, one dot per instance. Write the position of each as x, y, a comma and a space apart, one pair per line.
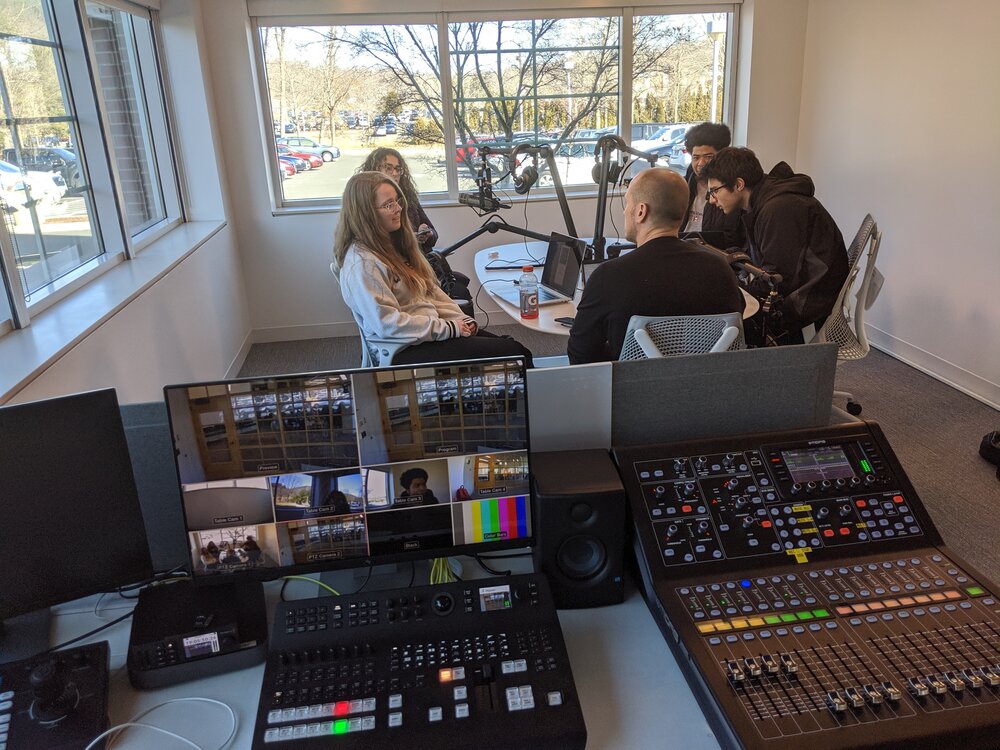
528, 284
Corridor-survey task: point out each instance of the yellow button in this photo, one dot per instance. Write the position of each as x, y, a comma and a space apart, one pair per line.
756, 622
706, 627
739, 623
723, 626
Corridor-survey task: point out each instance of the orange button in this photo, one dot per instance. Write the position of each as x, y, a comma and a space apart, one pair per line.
860, 607
844, 610
876, 606
952, 594
891, 603
937, 596
906, 601
921, 599
444, 675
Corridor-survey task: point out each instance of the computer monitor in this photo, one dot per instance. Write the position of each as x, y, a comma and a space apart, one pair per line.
300, 473
69, 511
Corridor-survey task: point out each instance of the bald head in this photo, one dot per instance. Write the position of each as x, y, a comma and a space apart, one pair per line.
665, 192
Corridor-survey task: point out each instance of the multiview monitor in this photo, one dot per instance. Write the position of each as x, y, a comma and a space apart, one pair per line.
341, 469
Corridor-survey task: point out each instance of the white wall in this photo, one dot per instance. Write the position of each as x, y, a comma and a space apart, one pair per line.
769, 78
900, 104
188, 326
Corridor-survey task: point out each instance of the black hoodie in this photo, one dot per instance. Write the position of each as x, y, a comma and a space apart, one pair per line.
789, 232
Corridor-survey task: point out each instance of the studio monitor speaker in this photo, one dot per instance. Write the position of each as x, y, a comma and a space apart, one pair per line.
579, 526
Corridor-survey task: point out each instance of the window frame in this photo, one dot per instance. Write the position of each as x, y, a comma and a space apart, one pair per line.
74, 49
260, 12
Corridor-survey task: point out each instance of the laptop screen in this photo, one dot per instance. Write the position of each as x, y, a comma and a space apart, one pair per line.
563, 262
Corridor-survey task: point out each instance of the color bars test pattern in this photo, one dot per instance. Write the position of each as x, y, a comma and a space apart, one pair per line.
488, 520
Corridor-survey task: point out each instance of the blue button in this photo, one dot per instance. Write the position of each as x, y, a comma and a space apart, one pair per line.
855, 621
745, 583
732, 639
871, 619
934, 610
781, 631
919, 612
888, 616
748, 636
903, 615
715, 640
950, 607
815, 627
966, 605
765, 634
831, 625
798, 630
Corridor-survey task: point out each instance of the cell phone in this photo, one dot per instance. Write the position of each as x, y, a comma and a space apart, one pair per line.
565, 321
424, 233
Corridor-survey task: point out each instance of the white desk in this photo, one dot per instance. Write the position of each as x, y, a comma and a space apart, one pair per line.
631, 689
523, 253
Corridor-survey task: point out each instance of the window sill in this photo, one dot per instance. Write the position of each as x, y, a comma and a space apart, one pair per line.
28, 352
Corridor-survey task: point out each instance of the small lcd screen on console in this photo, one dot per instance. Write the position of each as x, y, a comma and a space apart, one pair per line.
817, 464
494, 598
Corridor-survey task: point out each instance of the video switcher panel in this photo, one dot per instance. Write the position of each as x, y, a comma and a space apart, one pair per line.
807, 595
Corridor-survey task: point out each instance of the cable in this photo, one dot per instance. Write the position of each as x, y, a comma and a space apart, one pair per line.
413, 573
488, 569
505, 557
95, 631
134, 722
371, 567
286, 579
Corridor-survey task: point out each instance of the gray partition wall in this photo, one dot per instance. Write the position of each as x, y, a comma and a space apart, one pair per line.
152, 451
729, 393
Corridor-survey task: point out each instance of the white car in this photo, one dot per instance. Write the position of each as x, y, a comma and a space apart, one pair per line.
309, 146
662, 137
43, 186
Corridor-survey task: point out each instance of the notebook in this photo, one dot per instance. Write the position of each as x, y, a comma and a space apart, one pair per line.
560, 276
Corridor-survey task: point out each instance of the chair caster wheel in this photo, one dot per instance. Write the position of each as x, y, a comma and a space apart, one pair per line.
854, 409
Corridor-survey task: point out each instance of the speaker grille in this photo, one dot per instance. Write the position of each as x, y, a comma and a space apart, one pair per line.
581, 556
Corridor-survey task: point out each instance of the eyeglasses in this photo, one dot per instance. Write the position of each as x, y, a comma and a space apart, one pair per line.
391, 205
387, 167
712, 191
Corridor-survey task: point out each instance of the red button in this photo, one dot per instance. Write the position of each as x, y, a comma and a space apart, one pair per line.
898, 499
844, 531
765, 524
341, 708
685, 509
860, 503
828, 533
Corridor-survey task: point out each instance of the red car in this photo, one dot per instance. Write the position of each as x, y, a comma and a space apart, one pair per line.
314, 161
288, 169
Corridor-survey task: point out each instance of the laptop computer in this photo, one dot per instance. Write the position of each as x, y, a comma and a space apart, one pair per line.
560, 275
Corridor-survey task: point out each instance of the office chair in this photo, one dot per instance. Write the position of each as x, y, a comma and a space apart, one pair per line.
651, 338
846, 324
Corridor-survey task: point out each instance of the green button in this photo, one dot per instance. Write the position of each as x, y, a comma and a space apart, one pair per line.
772, 619
788, 618
975, 591
820, 613
340, 726
805, 615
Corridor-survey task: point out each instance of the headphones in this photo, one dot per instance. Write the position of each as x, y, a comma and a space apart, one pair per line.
614, 172
528, 177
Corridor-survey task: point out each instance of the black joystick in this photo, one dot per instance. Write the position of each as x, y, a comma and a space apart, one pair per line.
55, 697
442, 603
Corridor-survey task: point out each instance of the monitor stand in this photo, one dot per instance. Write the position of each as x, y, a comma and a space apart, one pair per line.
24, 636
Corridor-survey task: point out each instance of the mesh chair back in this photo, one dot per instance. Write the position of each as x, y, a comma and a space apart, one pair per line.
682, 334
846, 325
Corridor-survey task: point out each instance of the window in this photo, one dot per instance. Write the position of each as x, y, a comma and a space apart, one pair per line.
59, 196
523, 78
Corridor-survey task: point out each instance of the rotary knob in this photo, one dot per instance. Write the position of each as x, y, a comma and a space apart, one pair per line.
701, 462
678, 464
810, 486
688, 489
822, 512
845, 510
727, 461
672, 530
826, 484
748, 521
732, 484
796, 488
703, 527
659, 491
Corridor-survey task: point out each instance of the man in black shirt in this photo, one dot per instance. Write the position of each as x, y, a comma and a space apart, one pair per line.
662, 276
788, 232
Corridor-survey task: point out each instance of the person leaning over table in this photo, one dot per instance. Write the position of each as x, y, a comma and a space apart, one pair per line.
663, 276
788, 231
390, 287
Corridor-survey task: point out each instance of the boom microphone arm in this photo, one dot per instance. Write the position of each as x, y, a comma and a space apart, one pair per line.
528, 177
602, 154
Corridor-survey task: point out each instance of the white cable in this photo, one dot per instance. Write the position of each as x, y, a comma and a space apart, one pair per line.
134, 722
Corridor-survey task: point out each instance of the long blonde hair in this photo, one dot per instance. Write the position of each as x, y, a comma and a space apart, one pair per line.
359, 224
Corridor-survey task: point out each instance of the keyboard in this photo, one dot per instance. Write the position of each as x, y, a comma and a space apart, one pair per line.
419, 667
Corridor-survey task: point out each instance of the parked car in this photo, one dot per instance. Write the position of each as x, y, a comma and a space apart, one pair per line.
48, 159
300, 165
287, 170
390, 125
43, 186
379, 131
679, 159
300, 144
314, 161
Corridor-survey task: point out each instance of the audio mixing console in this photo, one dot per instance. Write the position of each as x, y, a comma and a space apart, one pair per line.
468, 664
807, 595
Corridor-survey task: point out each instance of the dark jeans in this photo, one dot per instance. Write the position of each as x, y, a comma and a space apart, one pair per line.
481, 346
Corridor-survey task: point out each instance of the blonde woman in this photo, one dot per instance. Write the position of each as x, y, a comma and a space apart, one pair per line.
390, 287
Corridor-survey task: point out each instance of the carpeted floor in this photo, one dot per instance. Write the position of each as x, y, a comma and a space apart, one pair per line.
934, 429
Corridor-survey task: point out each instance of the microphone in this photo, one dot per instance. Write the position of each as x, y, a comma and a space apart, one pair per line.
484, 203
